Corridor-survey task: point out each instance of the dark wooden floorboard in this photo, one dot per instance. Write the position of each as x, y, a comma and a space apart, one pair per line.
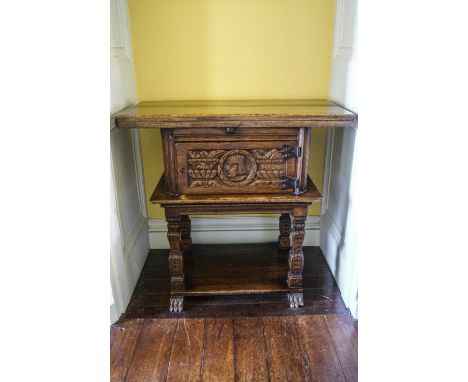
187, 351
250, 350
253, 337
318, 346
285, 358
153, 350
123, 340
294, 348
343, 332
218, 355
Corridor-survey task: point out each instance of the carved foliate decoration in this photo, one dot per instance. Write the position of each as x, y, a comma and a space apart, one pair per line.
294, 280
297, 234
203, 167
235, 168
173, 235
176, 264
296, 257
296, 262
185, 228
177, 283
285, 231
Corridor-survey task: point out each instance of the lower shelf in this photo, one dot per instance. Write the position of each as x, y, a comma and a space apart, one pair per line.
212, 286
241, 271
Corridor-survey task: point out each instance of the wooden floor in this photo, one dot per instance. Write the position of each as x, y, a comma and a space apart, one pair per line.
235, 338
278, 348
259, 265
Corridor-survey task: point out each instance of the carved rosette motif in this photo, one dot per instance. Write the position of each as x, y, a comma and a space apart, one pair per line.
234, 168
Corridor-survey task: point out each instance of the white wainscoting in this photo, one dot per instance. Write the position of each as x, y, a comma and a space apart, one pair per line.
129, 233
232, 230
129, 244
338, 230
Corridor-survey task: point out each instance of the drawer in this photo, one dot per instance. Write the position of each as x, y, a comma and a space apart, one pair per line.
234, 133
232, 166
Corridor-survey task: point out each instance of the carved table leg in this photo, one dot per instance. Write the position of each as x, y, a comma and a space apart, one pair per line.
186, 228
296, 260
285, 231
176, 263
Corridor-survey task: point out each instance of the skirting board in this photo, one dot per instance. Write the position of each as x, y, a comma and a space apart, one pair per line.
232, 230
114, 313
341, 265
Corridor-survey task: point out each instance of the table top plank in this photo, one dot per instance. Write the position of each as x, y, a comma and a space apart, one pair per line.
248, 113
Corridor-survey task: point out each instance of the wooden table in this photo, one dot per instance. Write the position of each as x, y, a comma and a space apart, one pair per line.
230, 157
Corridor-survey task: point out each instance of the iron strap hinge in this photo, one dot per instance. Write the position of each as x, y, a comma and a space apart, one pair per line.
289, 182
288, 152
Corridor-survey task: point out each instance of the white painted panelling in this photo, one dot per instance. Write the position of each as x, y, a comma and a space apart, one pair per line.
121, 67
257, 229
124, 171
345, 29
129, 234
340, 175
343, 87
139, 171
116, 38
118, 279
338, 229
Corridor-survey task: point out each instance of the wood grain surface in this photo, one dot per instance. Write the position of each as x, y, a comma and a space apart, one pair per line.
249, 113
161, 197
153, 351
303, 348
237, 337
250, 350
187, 350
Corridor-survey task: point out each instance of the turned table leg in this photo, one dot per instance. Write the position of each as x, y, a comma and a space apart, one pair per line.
186, 228
296, 260
176, 262
285, 231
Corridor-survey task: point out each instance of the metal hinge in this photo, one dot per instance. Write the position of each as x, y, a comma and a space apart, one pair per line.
289, 182
288, 152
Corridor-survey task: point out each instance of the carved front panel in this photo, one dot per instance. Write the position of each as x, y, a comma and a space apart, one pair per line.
233, 169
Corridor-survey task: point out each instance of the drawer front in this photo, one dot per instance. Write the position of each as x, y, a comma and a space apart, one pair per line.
234, 134
232, 167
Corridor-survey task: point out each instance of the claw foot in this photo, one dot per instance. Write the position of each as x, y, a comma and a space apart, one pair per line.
176, 304
295, 300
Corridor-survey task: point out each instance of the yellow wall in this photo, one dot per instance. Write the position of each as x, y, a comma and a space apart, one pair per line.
230, 49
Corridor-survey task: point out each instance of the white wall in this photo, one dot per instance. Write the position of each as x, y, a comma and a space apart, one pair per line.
128, 231
338, 229
237, 229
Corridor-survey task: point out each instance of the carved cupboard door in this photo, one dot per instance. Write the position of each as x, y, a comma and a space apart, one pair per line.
233, 167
